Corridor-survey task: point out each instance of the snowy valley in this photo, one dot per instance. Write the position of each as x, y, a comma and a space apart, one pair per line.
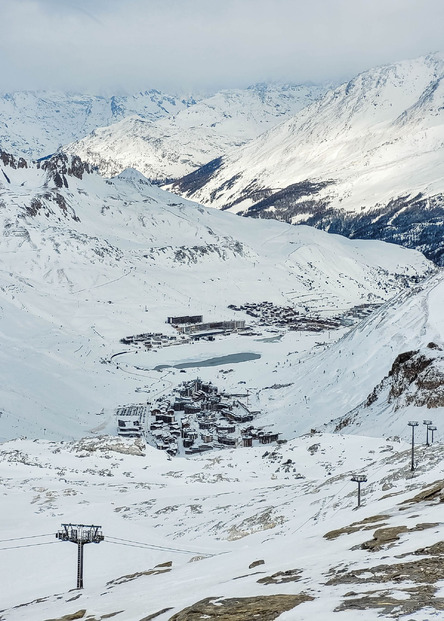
88, 261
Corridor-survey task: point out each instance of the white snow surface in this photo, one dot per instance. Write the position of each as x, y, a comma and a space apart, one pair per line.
342, 375
175, 145
211, 518
376, 138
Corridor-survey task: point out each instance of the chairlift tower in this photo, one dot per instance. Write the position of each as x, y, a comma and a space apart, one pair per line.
359, 478
427, 423
80, 534
432, 428
413, 424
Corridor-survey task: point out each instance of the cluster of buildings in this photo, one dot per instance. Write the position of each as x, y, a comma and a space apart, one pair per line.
194, 326
131, 420
188, 328
150, 339
200, 330
267, 314
194, 419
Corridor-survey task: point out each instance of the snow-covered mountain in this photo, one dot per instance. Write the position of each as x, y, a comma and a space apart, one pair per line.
87, 261
175, 145
343, 338
366, 160
35, 124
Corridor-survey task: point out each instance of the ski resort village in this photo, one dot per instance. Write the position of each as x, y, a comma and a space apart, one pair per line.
197, 416
197, 419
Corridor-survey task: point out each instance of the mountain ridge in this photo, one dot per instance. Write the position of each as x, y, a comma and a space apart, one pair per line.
368, 150
175, 145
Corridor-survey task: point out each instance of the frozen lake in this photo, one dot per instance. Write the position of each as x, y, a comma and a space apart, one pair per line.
212, 362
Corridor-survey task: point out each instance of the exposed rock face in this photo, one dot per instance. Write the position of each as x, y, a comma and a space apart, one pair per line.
265, 608
280, 577
414, 599
416, 378
62, 165
162, 568
424, 572
48, 199
429, 494
386, 537
50, 203
366, 524
14, 162
80, 614
256, 564
107, 444
71, 617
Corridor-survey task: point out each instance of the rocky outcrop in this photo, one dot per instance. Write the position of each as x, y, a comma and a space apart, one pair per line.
60, 166
416, 378
109, 445
366, 524
265, 608
13, 162
430, 494
280, 577
424, 572
387, 537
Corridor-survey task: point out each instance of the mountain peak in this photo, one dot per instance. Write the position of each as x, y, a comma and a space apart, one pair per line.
134, 176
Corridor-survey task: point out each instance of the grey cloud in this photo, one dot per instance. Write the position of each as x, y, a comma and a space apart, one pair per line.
198, 44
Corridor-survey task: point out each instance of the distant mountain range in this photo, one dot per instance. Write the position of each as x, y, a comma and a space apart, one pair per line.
366, 160
177, 144
35, 124
163, 136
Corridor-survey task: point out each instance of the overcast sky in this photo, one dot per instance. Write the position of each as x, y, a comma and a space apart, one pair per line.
106, 46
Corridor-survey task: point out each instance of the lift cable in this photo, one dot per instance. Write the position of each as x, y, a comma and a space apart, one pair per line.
143, 544
29, 545
108, 539
30, 537
132, 545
